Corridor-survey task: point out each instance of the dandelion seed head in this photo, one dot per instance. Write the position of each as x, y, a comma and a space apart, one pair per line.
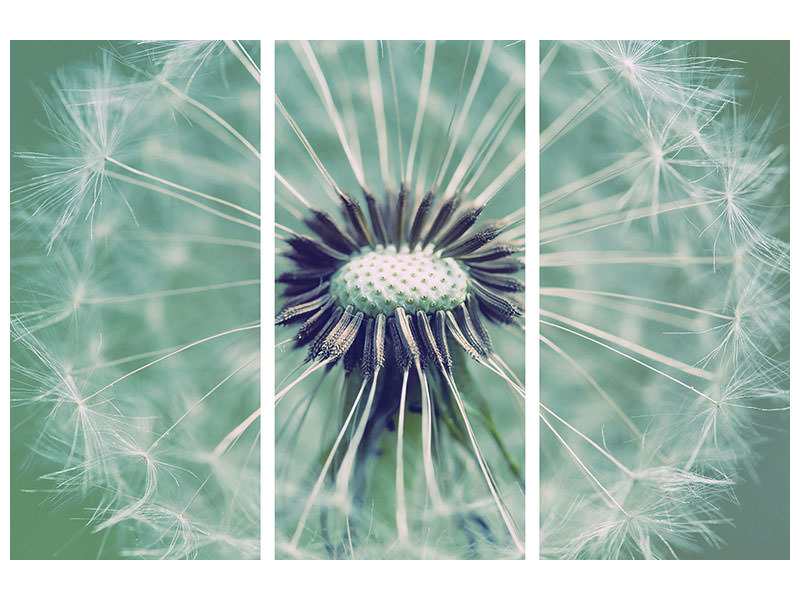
664, 295
400, 262
136, 264
380, 281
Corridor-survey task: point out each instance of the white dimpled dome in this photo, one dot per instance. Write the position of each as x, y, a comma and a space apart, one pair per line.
379, 281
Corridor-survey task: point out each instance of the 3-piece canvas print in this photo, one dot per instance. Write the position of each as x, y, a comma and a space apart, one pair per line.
406, 263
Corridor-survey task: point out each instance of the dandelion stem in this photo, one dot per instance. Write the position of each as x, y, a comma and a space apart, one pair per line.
620, 167
511, 171
317, 78
570, 259
593, 382
321, 479
401, 517
346, 468
235, 434
396, 99
313, 367
214, 116
427, 441
590, 441
309, 149
291, 189
173, 353
666, 360
500, 110
182, 188
629, 357
547, 61
510, 525
510, 118
376, 93
182, 198
569, 292
575, 114
166, 293
606, 495
424, 91
477, 77
243, 57
196, 239
633, 215
195, 405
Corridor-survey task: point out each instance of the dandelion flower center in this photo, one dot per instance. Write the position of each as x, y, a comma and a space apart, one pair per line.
382, 280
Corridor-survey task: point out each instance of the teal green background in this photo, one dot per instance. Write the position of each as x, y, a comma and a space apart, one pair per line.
45, 525
37, 531
762, 519
762, 516
32, 65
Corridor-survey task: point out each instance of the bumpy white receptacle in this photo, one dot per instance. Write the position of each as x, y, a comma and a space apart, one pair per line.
381, 280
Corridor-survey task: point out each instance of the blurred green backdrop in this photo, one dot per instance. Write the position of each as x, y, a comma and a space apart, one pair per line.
761, 529
36, 530
45, 524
